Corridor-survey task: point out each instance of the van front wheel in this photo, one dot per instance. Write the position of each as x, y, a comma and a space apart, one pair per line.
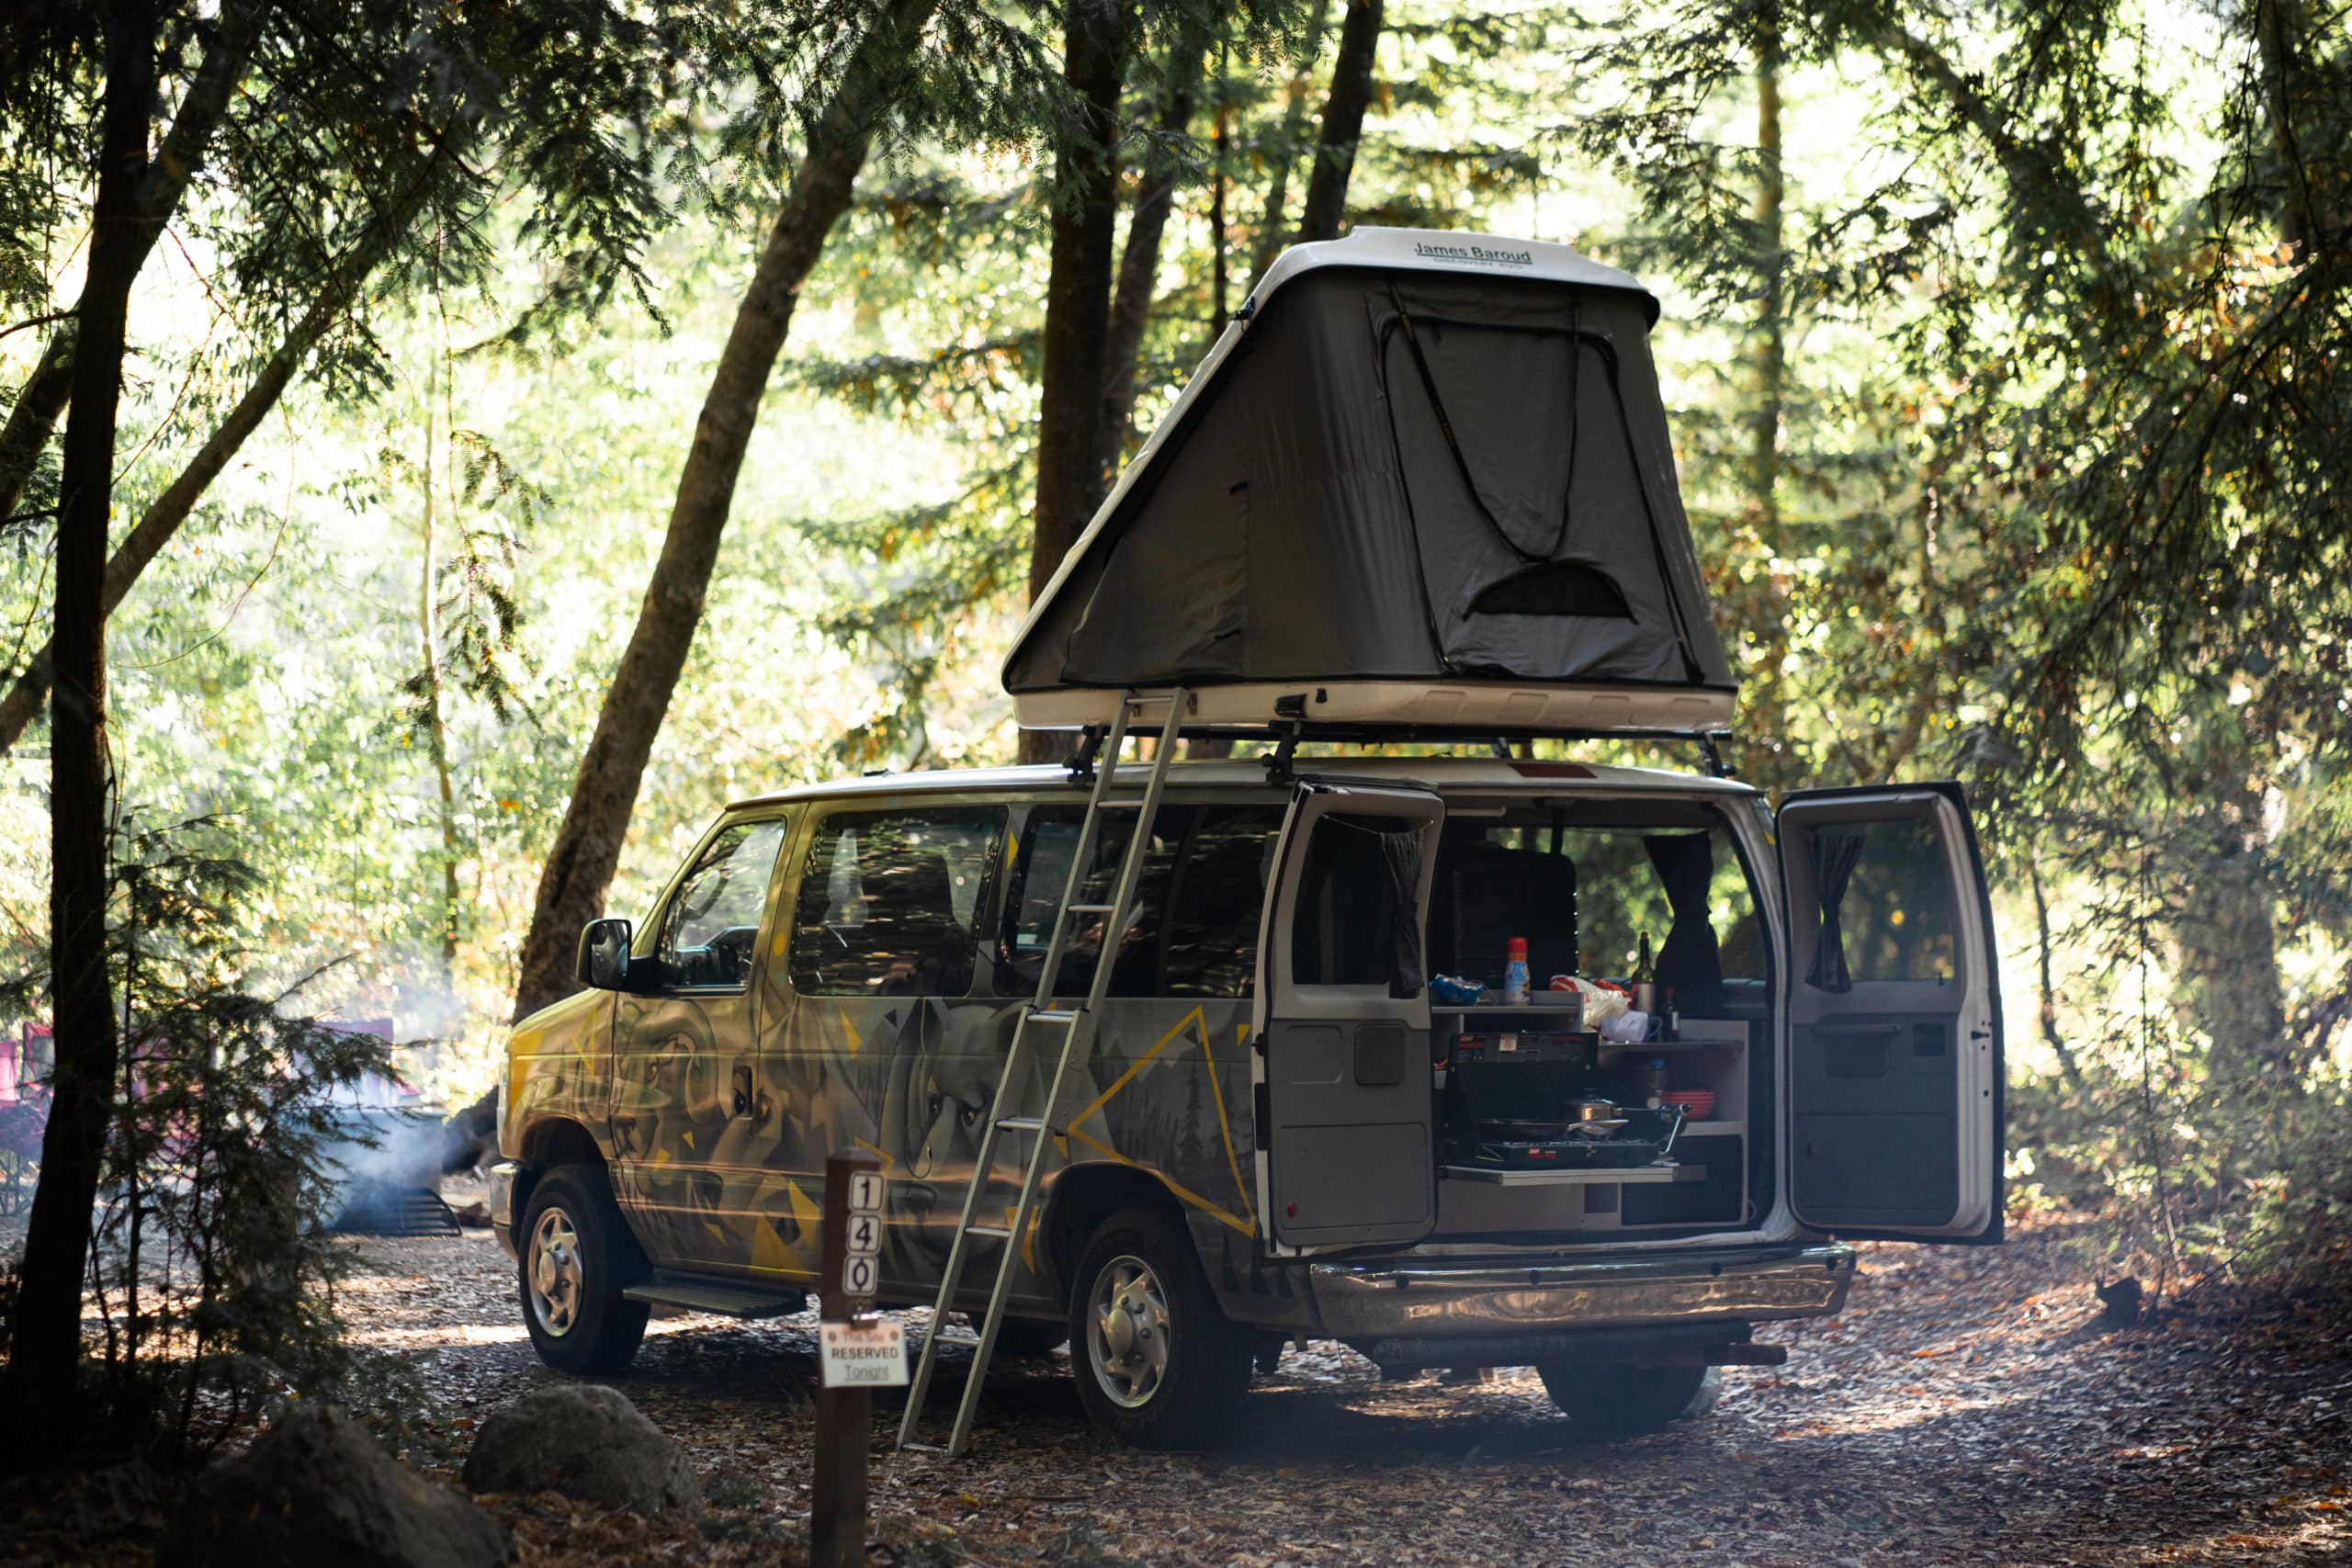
1608, 1400
1158, 1365
576, 1257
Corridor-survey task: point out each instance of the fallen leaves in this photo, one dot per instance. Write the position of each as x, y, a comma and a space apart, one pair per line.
1964, 1409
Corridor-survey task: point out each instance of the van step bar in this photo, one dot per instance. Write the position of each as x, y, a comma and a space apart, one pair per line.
1077, 1025
708, 1295
1696, 1345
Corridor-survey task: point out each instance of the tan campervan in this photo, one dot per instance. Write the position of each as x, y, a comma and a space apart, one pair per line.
1461, 1057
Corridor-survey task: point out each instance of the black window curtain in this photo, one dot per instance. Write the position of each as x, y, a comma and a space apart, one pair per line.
1834, 857
1690, 964
1401, 853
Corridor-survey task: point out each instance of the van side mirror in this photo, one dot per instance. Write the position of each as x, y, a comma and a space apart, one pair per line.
602, 960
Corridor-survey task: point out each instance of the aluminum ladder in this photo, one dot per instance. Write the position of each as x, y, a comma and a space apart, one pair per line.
1039, 1020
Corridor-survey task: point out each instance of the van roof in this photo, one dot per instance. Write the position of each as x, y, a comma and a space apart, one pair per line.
1452, 773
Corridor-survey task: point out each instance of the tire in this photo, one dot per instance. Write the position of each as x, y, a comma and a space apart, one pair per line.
576, 1255
1029, 1338
1158, 1365
1610, 1400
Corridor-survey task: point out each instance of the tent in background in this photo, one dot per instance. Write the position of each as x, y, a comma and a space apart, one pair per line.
1423, 479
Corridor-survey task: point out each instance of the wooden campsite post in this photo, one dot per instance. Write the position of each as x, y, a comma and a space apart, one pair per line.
857, 1354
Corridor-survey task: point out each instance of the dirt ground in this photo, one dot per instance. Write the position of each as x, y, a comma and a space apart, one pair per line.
1968, 1407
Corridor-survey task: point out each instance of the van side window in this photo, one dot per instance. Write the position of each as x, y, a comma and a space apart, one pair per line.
1208, 863
711, 926
890, 901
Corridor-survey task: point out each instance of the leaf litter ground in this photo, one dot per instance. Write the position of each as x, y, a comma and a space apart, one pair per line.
1969, 1407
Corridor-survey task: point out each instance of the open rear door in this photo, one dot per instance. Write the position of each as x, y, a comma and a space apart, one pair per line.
1895, 1109
1346, 1122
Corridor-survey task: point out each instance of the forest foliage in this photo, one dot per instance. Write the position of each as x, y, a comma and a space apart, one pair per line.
2005, 344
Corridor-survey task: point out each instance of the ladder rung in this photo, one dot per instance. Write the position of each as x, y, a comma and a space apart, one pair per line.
964, 1336
1023, 1124
999, 1232
1121, 805
1090, 908
924, 1448
1054, 1015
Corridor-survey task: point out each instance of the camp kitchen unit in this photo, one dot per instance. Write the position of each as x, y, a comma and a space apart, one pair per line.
1381, 1029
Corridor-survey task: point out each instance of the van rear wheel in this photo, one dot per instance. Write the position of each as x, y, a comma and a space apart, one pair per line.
1609, 1400
576, 1257
1158, 1365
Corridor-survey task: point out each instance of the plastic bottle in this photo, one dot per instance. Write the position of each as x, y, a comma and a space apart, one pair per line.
1515, 972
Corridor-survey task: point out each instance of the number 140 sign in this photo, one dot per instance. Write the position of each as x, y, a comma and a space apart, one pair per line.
862, 1251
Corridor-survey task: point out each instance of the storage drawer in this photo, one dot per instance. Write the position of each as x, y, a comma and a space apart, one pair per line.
1713, 1200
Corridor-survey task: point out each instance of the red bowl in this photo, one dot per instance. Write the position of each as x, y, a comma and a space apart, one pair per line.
1699, 1103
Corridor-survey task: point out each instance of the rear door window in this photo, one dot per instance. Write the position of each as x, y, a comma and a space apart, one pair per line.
1892, 894
1345, 931
1193, 932
890, 901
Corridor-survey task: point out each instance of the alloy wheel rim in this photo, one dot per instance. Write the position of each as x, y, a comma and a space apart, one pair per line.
1128, 1332
557, 1276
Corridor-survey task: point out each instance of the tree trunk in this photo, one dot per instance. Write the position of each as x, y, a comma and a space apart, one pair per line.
588, 844
1771, 325
1070, 482
168, 511
436, 730
1269, 223
2280, 26
33, 418
1335, 147
1131, 299
160, 186
2228, 938
1764, 694
1221, 151
2051, 1035
46, 1354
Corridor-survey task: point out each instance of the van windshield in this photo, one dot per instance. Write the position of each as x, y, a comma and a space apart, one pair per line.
1582, 882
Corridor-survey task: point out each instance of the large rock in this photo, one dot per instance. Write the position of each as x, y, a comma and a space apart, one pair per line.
586, 1441
318, 1488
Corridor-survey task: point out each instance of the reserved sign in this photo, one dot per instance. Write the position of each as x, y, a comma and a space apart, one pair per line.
864, 1355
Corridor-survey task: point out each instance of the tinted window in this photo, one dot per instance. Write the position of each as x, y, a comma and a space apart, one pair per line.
713, 922
1193, 932
1344, 931
1896, 916
890, 900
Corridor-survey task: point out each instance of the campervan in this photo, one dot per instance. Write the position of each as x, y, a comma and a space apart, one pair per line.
1387, 1031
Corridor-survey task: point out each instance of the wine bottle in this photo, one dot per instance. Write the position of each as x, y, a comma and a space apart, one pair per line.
1646, 979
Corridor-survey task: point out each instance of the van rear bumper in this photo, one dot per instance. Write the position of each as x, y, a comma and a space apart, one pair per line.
1436, 1299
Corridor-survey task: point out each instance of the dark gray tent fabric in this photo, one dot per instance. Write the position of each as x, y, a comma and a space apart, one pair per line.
1401, 475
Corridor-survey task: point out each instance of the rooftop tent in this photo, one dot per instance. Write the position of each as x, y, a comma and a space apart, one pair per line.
1423, 479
